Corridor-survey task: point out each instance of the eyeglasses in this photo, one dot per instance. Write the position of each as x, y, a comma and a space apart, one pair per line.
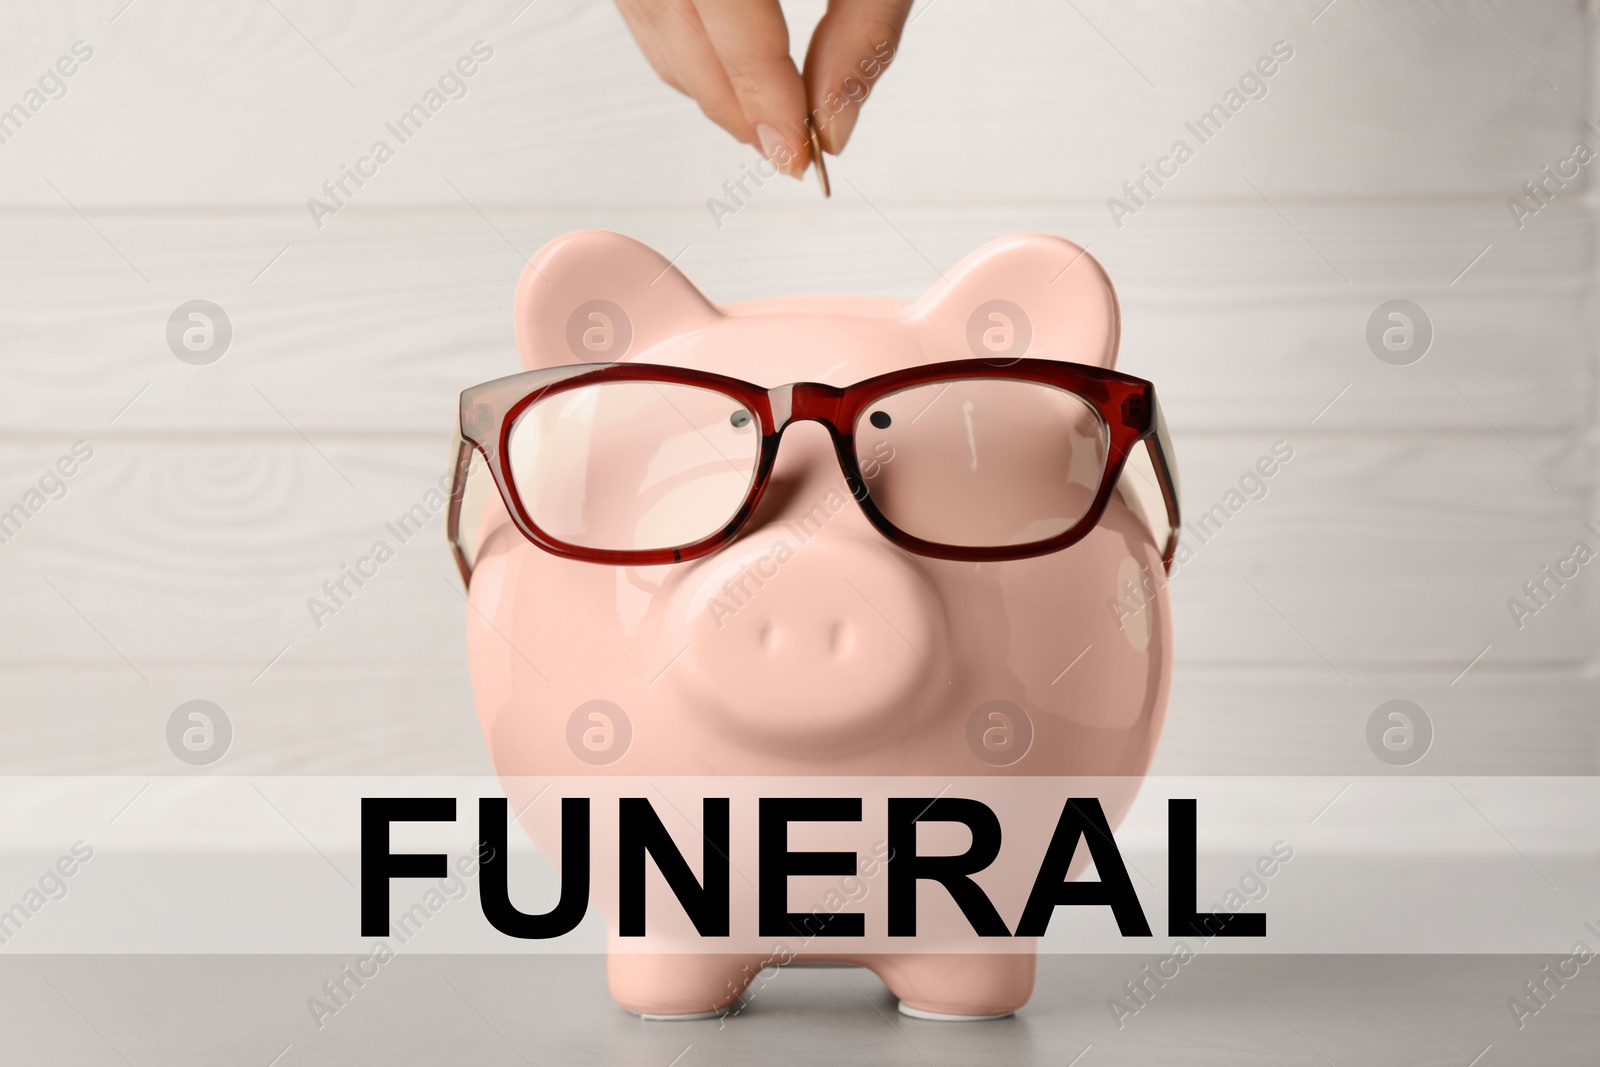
633, 464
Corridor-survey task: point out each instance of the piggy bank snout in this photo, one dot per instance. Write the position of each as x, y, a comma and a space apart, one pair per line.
802, 640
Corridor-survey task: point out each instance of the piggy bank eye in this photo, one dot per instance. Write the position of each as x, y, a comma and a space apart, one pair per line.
982, 462
739, 419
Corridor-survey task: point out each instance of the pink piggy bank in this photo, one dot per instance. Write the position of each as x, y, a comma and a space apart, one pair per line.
812, 537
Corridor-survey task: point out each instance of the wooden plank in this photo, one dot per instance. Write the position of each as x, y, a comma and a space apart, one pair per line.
378, 323
1300, 721
1364, 551
404, 719
245, 104
295, 719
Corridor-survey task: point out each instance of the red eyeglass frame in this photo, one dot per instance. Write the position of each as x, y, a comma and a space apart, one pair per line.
1127, 406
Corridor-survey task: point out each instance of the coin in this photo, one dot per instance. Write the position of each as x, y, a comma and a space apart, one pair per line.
816, 156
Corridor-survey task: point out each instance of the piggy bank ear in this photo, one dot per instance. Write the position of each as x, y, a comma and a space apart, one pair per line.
599, 297
1032, 295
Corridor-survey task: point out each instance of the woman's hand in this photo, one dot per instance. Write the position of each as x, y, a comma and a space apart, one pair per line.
732, 57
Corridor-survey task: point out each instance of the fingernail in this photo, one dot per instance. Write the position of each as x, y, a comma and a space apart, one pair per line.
775, 148
836, 130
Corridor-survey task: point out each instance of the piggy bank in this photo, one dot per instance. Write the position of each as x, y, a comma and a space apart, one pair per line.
714, 552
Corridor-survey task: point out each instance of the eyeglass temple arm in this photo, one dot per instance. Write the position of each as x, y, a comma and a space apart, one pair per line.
1161, 456
483, 405
458, 491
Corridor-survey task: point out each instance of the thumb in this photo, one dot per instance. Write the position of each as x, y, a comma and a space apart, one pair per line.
851, 48
752, 40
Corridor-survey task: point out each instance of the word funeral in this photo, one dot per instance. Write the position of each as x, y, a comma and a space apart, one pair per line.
641, 834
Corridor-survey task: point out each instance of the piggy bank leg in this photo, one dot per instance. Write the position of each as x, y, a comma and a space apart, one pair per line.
678, 986
958, 986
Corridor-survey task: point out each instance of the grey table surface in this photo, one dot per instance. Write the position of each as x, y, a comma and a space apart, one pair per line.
253, 1010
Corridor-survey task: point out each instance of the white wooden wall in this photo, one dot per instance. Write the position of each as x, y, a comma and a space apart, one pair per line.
219, 498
